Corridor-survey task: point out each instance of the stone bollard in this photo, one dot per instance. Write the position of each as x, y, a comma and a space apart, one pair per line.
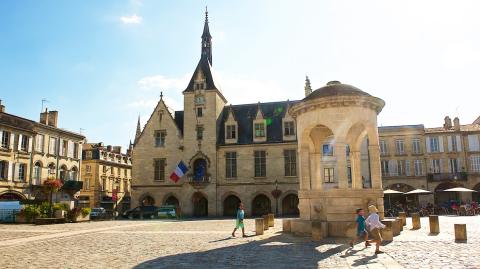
271, 220
460, 232
259, 226
265, 222
396, 227
416, 221
287, 225
400, 223
387, 232
317, 233
434, 225
403, 216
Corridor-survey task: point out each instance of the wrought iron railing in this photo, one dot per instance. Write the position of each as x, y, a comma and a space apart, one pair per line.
447, 176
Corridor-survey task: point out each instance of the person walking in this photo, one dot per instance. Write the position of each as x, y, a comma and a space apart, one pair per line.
239, 221
374, 226
361, 228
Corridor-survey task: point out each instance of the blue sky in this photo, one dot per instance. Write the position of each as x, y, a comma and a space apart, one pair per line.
103, 63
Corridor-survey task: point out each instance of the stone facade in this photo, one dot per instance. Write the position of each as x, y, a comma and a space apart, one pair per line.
106, 173
31, 152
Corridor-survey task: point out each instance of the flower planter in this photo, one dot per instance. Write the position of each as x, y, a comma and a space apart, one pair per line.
20, 219
60, 214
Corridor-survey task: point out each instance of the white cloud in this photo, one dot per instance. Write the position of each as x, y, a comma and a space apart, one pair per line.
133, 19
160, 82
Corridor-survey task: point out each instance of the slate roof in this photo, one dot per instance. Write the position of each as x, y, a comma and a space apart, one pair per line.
206, 68
463, 128
179, 120
245, 114
335, 88
16, 122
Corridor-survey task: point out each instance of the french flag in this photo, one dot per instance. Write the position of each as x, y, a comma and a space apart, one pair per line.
180, 170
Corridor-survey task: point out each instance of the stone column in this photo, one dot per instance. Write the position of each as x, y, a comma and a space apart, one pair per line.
375, 168
356, 166
317, 180
341, 156
304, 171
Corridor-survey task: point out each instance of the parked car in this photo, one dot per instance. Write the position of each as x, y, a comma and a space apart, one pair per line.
145, 211
98, 213
167, 211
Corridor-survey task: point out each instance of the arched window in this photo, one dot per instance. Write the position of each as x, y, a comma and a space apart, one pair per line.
63, 173
74, 173
37, 173
51, 169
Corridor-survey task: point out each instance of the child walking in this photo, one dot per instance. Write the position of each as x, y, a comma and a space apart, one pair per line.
361, 228
374, 226
239, 221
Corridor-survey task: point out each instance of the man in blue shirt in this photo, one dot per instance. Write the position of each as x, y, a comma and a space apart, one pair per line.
361, 228
239, 221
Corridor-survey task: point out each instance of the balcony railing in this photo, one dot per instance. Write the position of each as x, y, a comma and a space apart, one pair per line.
72, 185
198, 180
447, 176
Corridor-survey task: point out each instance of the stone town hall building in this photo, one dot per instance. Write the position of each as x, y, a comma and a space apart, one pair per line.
233, 152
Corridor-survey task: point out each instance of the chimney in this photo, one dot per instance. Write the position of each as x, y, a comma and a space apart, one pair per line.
44, 117
2, 107
456, 123
109, 148
53, 118
448, 123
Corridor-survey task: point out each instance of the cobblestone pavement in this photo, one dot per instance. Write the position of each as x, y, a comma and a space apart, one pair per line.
207, 244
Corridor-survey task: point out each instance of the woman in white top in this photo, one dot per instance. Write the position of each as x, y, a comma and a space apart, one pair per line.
374, 226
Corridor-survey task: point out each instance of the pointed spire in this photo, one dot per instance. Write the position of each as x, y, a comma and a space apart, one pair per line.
206, 40
139, 130
308, 87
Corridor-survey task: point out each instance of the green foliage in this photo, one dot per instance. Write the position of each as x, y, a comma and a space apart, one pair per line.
86, 211
43, 208
60, 206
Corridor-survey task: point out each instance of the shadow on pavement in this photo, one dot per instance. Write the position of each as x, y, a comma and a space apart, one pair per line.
278, 251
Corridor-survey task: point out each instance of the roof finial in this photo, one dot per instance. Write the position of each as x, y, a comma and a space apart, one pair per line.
206, 13
308, 87
161, 95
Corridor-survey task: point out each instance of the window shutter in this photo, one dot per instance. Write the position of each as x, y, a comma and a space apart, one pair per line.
60, 150
440, 142
19, 142
407, 168
450, 166
30, 144
449, 142
459, 164
473, 143
10, 171
427, 142
1, 137
441, 165
459, 143
70, 149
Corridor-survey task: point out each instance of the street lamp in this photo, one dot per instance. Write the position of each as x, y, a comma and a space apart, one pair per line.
276, 194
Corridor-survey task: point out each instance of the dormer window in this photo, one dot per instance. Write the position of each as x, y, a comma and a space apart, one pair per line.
199, 86
231, 132
259, 130
288, 128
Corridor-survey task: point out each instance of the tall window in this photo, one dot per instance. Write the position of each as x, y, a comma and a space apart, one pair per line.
199, 112
327, 150
5, 140
199, 132
289, 128
88, 169
39, 143
473, 143
434, 144
259, 130
87, 184
52, 147
63, 173
385, 168
260, 163
407, 168
75, 150
453, 165
231, 164
416, 146
64, 148
418, 168
3, 170
400, 168
475, 163
400, 146
23, 143
74, 173
37, 173
290, 157
453, 140
21, 171
436, 166
104, 184
231, 132
160, 138
159, 173
125, 185
383, 147
329, 175
51, 169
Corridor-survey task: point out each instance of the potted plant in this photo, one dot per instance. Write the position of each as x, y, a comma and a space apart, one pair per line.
60, 210
79, 214
52, 185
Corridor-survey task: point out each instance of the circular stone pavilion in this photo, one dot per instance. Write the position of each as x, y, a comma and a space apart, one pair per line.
339, 158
